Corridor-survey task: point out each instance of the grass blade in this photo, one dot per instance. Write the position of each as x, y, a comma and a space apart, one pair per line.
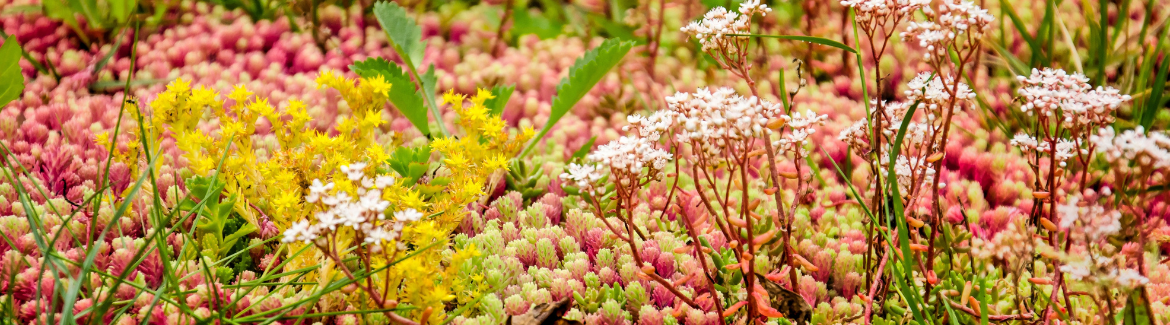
802, 38
586, 72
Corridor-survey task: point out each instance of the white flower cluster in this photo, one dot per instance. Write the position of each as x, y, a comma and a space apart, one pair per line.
857, 136
628, 155
1104, 271
711, 119
584, 176
907, 169
934, 92
869, 10
711, 31
1096, 223
1150, 151
364, 213
802, 127
951, 20
651, 127
1049, 90
1065, 149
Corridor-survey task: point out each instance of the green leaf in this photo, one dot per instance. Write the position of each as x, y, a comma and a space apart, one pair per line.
810, 39
1018, 23
502, 94
11, 80
1154, 102
60, 11
230, 240
1136, 310
121, 9
403, 95
584, 150
428, 81
615, 29
410, 163
524, 23
404, 33
905, 265
586, 72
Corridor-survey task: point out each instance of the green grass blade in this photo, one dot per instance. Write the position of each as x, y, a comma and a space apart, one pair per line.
586, 72
802, 38
911, 295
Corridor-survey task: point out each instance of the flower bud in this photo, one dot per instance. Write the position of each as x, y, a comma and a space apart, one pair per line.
1040, 281
1048, 224
914, 222
776, 123
935, 157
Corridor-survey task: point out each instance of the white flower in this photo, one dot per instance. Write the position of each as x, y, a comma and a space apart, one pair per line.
1096, 222
713, 119
1130, 278
631, 155
651, 127
583, 176
801, 128
951, 20
408, 215
354, 171
711, 30
1068, 213
1024, 141
365, 214
934, 91
856, 136
316, 190
300, 231
1151, 151
1050, 91
1077, 269
868, 10
383, 181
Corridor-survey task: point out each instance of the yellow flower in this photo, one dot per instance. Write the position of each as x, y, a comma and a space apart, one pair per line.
240, 94
233, 129
179, 86
496, 162
456, 160
261, 107
378, 85
376, 154
102, 139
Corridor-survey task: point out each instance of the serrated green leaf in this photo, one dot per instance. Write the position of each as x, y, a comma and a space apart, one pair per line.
403, 94
404, 33
11, 80
502, 94
586, 72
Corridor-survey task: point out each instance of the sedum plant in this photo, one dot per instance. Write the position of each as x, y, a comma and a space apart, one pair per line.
334, 190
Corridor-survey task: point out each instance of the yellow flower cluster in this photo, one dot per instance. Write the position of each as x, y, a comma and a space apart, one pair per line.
484, 149
276, 186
